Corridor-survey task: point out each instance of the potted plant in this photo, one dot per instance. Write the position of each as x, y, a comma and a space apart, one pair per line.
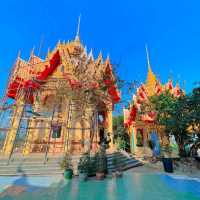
92, 167
101, 164
167, 159
83, 166
67, 167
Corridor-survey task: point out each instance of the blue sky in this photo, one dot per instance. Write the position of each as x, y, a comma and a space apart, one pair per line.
118, 28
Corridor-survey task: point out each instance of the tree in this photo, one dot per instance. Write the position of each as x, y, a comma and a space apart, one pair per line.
121, 136
180, 116
171, 113
194, 111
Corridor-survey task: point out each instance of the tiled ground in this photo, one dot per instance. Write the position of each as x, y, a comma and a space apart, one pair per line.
132, 186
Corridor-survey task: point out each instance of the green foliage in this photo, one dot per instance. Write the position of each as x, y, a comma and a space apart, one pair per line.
121, 137
166, 151
66, 162
172, 113
193, 103
87, 165
101, 161
118, 121
177, 114
84, 162
92, 166
164, 105
121, 143
139, 140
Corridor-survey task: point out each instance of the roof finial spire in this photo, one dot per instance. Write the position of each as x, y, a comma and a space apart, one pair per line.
148, 59
32, 53
151, 78
77, 38
18, 54
48, 53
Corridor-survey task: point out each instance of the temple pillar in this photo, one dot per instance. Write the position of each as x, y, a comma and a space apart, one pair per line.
133, 138
110, 126
47, 131
30, 137
15, 123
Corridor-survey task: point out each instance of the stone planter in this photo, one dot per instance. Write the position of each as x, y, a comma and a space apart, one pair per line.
168, 165
100, 175
83, 176
68, 173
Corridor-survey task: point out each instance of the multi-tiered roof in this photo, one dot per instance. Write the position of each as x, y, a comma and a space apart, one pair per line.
151, 87
69, 61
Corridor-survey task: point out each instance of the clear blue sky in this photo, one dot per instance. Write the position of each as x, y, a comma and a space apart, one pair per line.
121, 28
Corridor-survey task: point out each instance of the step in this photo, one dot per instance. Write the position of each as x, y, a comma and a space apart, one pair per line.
33, 164
125, 165
31, 173
127, 161
24, 170
28, 166
29, 159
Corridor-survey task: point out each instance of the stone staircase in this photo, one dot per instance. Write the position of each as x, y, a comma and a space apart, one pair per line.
34, 164
30, 165
126, 160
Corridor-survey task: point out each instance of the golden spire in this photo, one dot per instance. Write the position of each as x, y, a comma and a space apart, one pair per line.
58, 44
151, 78
99, 59
85, 50
77, 38
18, 55
48, 53
31, 58
90, 55
108, 58
32, 52
17, 61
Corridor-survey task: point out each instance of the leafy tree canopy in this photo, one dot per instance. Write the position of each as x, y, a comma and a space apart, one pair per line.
121, 137
180, 116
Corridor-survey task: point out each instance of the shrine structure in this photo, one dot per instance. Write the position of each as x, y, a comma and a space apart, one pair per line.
140, 125
58, 104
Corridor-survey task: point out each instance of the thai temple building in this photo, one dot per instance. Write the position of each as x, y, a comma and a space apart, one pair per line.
141, 127
58, 104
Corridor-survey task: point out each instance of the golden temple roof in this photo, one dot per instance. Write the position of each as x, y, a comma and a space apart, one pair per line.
151, 78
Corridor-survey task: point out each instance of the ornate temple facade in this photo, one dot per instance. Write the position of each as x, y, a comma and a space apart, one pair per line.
140, 126
58, 104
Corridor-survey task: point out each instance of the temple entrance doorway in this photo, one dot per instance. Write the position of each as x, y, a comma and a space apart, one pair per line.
139, 138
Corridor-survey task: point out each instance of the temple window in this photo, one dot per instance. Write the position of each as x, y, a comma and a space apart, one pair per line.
56, 131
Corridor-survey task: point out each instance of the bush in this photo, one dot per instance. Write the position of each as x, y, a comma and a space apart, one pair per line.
83, 165
101, 161
66, 162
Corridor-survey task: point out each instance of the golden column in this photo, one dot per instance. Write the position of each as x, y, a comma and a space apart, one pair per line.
30, 137
110, 124
15, 123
